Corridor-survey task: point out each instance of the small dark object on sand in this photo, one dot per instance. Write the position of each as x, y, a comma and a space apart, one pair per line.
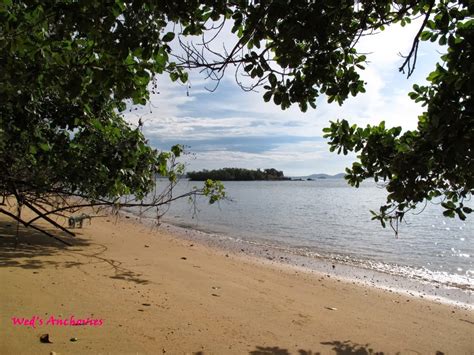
183, 258
73, 339
333, 266
44, 338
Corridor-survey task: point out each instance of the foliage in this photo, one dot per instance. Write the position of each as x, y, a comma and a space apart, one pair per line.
298, 50
437, 159
68, 69
236, 174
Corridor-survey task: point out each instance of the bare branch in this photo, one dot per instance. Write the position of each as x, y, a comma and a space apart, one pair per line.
410, 59
5, 212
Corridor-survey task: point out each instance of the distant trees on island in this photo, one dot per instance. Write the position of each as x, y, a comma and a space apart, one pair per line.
237, 174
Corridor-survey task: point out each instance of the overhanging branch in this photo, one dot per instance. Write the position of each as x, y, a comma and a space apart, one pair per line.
410, 59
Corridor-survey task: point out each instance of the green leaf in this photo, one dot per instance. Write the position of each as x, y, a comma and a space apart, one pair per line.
426, 35
44, 146
277, 98
267, 96
174, 76
168, 37
272, 79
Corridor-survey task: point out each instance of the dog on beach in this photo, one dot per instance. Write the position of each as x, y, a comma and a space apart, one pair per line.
78, 220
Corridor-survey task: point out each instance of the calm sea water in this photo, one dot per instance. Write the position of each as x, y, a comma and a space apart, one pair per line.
331, 219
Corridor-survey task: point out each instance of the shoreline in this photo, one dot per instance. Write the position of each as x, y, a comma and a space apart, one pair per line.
158, 293
350, 272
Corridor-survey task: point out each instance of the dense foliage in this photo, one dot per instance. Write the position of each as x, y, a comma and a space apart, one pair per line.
299, 50
437, 159
66, 71
236, 174
68, 68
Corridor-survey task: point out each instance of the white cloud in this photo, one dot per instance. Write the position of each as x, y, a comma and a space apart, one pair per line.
229, 112
295, 159
383, 48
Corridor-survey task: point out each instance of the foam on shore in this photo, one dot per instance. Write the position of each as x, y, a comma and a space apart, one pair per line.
439, 287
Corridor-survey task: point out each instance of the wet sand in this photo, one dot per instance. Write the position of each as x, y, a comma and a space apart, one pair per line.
347, 269
144, 290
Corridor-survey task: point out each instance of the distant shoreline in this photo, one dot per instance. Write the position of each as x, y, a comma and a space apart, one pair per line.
238, 174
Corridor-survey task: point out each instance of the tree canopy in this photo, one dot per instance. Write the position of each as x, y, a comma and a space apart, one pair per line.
236, 174
68, 70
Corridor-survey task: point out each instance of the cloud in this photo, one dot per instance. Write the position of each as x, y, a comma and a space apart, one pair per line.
230, 127
295, 158
256, 144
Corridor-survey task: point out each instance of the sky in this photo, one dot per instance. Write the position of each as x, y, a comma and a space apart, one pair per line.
233, 128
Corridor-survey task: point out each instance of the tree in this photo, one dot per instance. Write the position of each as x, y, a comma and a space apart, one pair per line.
67, 70
299, 50
437, 159
236, 174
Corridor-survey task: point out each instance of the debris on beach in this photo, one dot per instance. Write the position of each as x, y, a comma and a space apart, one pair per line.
215, 295
331, 308
44, 338
184, 258
73, 339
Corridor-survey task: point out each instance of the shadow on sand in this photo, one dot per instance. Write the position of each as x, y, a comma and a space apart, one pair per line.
337, 347
33, 250
31, 245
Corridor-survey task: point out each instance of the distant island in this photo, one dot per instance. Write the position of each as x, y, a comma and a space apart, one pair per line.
237, 174
317, 177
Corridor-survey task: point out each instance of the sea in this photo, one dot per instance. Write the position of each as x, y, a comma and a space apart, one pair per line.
326, 221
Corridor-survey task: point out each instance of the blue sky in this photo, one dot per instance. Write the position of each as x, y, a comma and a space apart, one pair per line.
233, 128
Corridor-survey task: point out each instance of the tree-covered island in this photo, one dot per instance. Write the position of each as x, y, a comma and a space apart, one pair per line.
237, 174
69, 70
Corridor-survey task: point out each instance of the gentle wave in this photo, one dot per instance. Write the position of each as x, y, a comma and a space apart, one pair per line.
329, 220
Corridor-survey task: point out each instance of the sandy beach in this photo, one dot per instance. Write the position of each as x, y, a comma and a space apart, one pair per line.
138, 290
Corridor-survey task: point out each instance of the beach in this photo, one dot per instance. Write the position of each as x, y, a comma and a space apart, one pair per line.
132, 288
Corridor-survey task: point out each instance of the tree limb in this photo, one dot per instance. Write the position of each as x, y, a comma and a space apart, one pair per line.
33, 227
414, 48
